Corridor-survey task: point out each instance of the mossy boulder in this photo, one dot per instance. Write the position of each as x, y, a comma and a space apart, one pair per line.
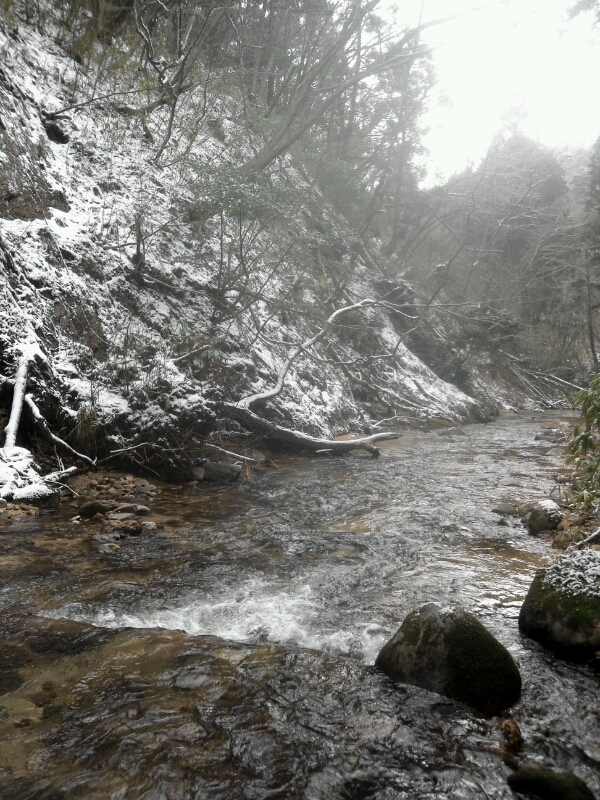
449, 651
562, 607
549, 785
544, 516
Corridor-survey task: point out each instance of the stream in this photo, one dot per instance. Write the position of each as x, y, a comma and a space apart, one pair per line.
229, 655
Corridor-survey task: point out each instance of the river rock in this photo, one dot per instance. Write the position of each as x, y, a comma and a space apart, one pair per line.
562, 607
148, 527
215, 471
545, 516
146, 488
97, 507
129, 526
549, 785
198, 473
449, 651
125, 508
505, 509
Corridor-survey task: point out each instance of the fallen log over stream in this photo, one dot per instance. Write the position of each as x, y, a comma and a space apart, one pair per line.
303, 442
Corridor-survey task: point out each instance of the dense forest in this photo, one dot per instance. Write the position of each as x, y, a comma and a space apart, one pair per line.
215, 226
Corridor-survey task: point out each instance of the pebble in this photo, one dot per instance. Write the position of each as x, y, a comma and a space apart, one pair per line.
148, 527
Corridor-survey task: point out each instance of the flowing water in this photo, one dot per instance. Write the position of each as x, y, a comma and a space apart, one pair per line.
229, 655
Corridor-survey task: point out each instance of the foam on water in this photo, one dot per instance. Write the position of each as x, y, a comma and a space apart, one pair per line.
251, 613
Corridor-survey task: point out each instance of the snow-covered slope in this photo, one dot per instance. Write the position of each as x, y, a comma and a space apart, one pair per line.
152, 303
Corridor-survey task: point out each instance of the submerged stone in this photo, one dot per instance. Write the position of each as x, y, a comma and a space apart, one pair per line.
549, 785
93, 507
562, 607
449, 651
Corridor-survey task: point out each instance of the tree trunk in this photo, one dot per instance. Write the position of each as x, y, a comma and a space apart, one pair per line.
590, 319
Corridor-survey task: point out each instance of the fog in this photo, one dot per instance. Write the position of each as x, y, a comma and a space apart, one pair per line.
527, 55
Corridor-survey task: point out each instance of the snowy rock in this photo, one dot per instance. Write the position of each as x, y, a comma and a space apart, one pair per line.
545, 516
20, 480
562, 607
449, 651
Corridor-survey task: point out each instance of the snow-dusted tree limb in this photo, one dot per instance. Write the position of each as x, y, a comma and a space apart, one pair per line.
248, 402
29, 349
230, 453
41, 422
56, 477
296, 440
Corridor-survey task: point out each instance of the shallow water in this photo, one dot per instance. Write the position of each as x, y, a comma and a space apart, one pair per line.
229, 655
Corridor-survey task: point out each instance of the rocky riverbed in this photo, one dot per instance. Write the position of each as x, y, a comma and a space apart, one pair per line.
227, 651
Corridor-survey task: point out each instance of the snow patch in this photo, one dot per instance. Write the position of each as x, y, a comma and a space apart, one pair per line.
575, 573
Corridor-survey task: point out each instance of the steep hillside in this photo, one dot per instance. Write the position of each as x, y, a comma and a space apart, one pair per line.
155, 294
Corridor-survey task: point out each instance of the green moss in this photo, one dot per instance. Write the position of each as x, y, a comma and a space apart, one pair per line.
481, 670
567, 623
548, 785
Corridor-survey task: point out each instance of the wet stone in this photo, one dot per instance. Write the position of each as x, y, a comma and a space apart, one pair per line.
505, 509
546, 784
146, 488
148, 527
126, 508
93, 507
449, 651
545, 516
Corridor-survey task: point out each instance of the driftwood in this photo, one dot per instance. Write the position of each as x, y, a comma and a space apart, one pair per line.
302, 442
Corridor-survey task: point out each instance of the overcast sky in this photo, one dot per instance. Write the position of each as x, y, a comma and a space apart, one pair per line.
513, 53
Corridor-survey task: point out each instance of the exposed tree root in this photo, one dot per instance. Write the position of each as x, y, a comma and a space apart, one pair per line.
43, 425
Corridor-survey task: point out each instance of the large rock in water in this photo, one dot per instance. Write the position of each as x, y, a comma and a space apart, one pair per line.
562, 607
450, 652
549, 785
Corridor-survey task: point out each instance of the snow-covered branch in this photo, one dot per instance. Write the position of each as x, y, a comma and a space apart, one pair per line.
248, 402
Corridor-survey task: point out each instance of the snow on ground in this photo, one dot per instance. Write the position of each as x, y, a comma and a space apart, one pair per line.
117, 333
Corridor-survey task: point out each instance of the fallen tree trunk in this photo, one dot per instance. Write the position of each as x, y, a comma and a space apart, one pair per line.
303, 442
17, 402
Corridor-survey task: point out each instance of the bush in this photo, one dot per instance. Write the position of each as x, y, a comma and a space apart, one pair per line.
584, 450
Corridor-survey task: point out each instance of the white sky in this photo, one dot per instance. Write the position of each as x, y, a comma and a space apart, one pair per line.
512, 53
